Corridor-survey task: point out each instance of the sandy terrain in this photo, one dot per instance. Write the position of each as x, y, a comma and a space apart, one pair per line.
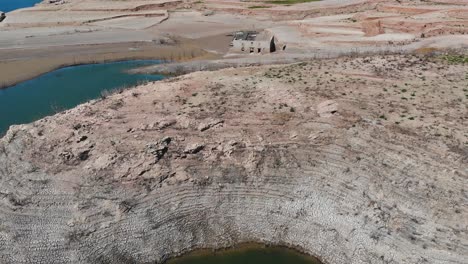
354, 161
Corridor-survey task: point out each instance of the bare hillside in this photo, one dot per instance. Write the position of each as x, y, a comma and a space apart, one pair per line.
359, 160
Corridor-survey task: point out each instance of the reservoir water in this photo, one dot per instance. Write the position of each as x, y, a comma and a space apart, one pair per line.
255, 254
10, 5
64, 89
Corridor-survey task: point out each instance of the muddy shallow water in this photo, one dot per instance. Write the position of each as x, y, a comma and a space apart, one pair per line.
246, 254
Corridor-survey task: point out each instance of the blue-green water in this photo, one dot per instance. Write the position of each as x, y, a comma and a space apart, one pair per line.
248, 255
10, 5
64, 89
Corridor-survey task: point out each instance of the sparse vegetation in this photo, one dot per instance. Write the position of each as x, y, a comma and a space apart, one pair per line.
456, 59
289, 2
258, 6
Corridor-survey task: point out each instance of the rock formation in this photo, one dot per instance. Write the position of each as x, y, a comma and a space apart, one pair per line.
2, 16
212, 159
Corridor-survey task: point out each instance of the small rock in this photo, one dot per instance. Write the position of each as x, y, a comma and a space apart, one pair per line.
159, 149
81, 139
194, 148
205, 126
125, 206
66, 155
165, 124
105, 225
2, 16
83, 155
327, 108
208, 12
313, 136
71, 223
166, 140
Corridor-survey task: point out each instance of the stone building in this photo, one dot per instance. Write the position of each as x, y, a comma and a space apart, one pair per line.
255, 42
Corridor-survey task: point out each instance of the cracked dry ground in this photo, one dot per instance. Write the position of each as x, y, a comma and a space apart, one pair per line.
353, 160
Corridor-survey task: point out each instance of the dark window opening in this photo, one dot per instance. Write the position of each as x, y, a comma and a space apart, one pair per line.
272, 45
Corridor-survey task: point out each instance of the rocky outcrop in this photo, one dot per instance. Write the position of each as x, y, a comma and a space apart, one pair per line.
2, 16
381, 180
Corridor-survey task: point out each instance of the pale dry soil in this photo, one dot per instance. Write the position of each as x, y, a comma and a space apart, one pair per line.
359, 160
316, 29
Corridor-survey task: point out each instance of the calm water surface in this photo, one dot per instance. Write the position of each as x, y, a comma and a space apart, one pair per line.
246, 255
10, 5
64, 89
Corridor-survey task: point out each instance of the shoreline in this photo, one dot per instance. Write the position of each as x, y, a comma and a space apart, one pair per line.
28, 5
15, 71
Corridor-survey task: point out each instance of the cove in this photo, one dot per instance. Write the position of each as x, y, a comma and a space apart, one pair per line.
65, 88
10, 5
246, 254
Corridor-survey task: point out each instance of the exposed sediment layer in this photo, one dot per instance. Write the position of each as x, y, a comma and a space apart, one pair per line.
353, 160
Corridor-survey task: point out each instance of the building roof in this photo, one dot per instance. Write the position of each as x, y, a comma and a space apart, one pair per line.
253, 36
245, 35
264, 36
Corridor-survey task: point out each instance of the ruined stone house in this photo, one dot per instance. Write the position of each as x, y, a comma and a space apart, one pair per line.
255, 42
